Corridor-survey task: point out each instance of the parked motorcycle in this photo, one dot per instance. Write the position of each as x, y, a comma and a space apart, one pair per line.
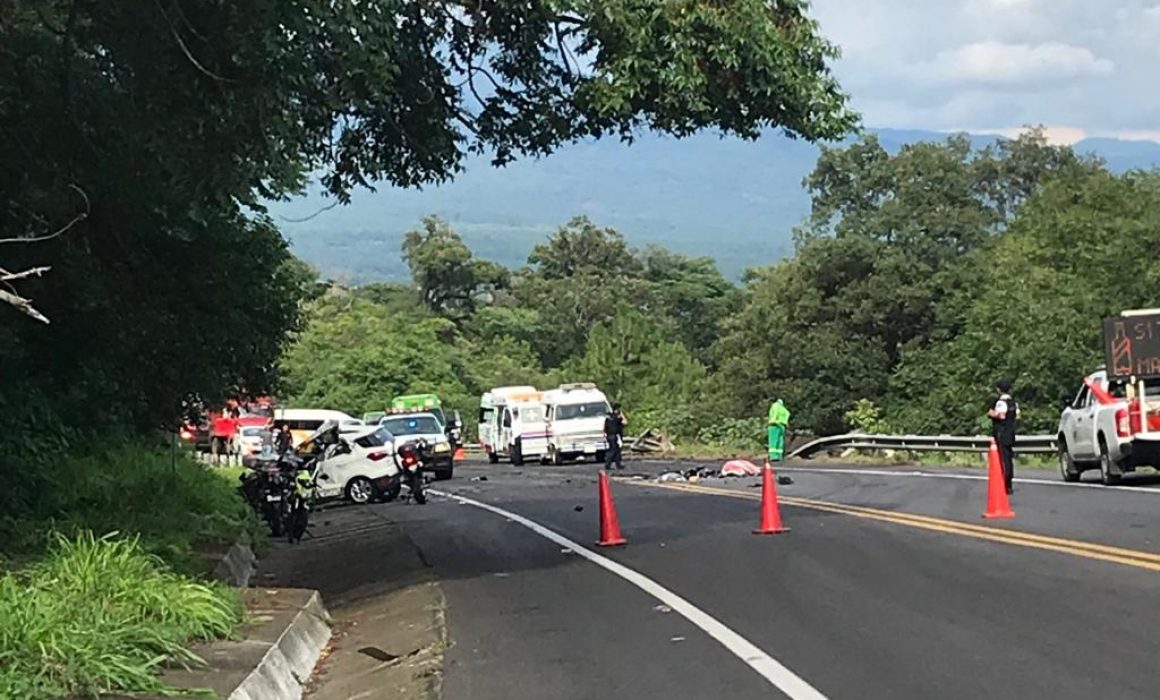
264, 486
410, 458
298, 500
278, 488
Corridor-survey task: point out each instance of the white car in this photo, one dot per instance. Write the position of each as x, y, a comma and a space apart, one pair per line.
359, 467
407, 427
251, 439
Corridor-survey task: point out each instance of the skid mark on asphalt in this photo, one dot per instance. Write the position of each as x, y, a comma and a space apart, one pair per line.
1139, 559
765, 665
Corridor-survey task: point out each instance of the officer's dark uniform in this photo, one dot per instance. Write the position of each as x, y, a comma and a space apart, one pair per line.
613, 430
1003, 430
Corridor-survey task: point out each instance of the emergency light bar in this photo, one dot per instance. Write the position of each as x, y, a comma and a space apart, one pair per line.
577, 385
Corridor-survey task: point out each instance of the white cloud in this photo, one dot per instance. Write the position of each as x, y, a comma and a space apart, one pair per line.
1003, 4
997, 63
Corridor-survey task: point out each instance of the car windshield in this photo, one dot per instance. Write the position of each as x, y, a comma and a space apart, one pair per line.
380, 437
255, 431
592, 409
412, 425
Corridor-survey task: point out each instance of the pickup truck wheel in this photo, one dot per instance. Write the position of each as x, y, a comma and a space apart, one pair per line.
1109, 477
557, 458
1067, 465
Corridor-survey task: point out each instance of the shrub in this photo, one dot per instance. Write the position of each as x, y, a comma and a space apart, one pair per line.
866, 417
100, 615
744, 433
173, 506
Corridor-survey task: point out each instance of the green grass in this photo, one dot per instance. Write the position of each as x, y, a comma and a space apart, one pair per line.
177, 508
101, 615
83, 614
230, 474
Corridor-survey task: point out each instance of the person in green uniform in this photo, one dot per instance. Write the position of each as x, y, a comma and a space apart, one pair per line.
778, 421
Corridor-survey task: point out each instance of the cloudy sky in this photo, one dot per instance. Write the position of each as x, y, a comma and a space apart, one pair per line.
1081, 67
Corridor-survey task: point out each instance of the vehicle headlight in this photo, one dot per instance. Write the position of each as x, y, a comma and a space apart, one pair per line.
442, 447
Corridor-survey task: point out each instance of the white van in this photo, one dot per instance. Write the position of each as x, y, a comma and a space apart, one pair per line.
511, 424
302, 422
575, 417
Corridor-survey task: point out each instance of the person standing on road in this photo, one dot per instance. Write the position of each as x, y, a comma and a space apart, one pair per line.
614, 424
778, 422
1003, 414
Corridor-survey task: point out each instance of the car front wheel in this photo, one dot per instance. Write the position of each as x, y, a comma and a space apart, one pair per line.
1067, 465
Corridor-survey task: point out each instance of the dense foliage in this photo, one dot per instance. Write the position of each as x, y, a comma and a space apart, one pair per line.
100, 616
143, 139
920, 279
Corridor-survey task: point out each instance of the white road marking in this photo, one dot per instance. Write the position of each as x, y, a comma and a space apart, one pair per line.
971, 477
765, 665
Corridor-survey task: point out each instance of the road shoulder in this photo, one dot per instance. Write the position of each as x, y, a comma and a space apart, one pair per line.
388, 644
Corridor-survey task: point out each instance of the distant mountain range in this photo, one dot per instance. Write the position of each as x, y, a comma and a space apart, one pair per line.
735, 201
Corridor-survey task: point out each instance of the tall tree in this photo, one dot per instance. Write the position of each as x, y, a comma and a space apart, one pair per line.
1079, 250
692, 292
580, 246
149, 133
449, 279
886, 262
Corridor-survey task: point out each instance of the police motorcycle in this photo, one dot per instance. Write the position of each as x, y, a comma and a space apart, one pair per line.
411, 457
280, 484
273, 485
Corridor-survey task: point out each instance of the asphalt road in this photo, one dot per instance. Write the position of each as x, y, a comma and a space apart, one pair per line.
889, 585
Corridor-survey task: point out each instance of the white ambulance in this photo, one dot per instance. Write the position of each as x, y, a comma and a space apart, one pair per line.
576, 414
511, 424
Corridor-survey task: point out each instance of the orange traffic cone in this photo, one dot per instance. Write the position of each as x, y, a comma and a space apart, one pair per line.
997, 504
609, 526
460, 454
770, 514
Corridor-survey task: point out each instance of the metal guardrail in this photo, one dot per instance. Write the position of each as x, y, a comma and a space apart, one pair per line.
1024, 444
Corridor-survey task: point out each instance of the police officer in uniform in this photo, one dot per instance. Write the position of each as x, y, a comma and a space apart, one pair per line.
613, 433
1003, 414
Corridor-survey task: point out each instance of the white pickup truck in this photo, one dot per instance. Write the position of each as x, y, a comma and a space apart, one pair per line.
1103, 428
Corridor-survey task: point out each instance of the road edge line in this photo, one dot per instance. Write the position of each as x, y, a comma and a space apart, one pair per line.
769, 668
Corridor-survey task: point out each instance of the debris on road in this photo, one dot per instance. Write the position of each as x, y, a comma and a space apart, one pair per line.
784, 480
651, 441
740, 467
677, 639
479, 478
671, 476
662, 608
578, 508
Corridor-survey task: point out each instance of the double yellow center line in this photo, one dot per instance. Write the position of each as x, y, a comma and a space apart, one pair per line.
1090, 550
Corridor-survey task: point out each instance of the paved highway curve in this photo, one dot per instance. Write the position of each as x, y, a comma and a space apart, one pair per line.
890, 585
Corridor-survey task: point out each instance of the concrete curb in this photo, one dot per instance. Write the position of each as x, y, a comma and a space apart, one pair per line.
289, 662
283, 638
